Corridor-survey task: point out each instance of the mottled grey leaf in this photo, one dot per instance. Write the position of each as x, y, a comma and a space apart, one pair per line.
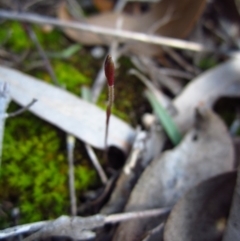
204, 152
65, 110
207, 88
202, 213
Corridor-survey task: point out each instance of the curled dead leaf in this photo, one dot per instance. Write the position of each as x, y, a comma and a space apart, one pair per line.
204, 152
221, 81
202, 213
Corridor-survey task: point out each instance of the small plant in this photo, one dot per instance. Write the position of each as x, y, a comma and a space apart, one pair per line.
109, 73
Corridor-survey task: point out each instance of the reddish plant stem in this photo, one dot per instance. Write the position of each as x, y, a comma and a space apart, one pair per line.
109, 73
109, 110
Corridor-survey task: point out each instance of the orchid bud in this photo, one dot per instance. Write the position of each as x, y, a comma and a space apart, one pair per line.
109, 70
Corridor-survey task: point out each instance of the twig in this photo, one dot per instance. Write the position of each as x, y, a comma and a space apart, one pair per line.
69, 138
162, 21
42, 53
155, 231
31, 3
181, 61
4, 101
96, 164
75, 9
30, 227
122, 34
98, 85
115, 53
156, 75
176, 73
115, 218
86, 95
20, 111
119, 6
70, 149
77, 227
128, 177
162, 98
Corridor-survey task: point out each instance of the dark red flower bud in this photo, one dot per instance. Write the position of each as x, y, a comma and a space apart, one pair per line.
109, 70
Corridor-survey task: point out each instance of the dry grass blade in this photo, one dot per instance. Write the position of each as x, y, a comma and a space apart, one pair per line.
165, 119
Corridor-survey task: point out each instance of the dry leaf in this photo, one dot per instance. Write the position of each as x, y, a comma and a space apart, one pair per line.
221, 81
233, 226
205, 151
171, 18
202, 213
68, 112
104, 5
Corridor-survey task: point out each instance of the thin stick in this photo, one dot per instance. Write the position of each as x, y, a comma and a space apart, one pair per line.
86, 95
122, 34
70, 149
115, 52
30, 227
69, 138
5, 99
115, 218
96, 164
77, 224
23, 109
42, 53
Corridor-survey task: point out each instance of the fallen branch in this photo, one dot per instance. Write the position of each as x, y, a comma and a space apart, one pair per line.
76, 227
118, 33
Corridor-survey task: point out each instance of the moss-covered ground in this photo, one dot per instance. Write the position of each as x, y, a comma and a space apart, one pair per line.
34, 162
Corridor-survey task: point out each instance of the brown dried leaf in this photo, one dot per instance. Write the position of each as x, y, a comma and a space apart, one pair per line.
104, 5
68, 112
170, 18
205, 151
202, 213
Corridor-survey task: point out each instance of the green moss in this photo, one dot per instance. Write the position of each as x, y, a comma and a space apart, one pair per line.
34, 170
53, 40
207, 63
15, 37
68, 75
34, 166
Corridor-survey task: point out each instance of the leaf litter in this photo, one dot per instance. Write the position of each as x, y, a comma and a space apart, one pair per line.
205, 151
202, 213
189, 173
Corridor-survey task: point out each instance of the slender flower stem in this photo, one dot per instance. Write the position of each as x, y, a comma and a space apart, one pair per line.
109, 72
109, 110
